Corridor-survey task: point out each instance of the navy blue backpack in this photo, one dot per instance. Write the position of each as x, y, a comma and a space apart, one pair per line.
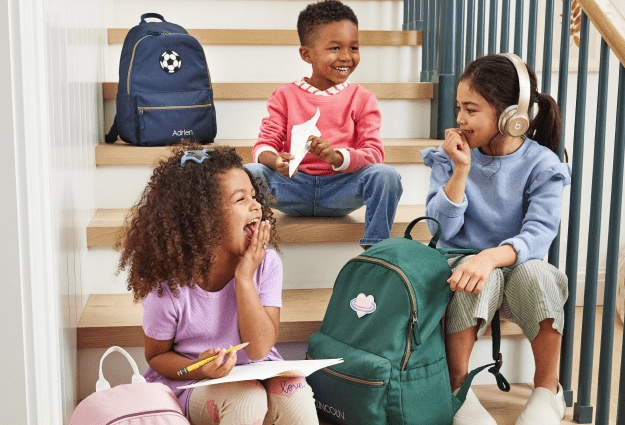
165, 92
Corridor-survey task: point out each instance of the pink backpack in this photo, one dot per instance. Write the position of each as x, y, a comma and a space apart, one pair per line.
138, 403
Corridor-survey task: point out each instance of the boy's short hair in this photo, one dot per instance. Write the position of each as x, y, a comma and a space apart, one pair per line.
321, 13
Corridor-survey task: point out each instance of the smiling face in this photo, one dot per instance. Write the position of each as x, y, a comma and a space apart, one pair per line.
476, 117
241, 211
334, 54
479, 123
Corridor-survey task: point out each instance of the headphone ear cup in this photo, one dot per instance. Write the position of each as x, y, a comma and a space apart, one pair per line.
512, 123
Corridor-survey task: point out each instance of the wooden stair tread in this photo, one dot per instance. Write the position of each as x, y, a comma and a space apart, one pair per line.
279, 37
252, 91
107, 224
114, 319
397, 151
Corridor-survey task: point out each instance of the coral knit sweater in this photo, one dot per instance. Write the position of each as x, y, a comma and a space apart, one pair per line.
349, 120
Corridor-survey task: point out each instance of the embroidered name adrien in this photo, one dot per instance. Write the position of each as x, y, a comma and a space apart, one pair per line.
182, 132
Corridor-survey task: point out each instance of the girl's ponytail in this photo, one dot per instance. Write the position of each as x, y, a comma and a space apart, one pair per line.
545, 128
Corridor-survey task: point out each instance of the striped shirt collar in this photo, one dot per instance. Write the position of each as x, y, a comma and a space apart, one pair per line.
329, 92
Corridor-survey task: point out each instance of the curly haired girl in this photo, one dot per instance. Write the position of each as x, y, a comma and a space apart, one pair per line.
197, 258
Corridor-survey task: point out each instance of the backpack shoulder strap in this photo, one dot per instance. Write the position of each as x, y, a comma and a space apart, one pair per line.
111, 136
494, 368
502, 382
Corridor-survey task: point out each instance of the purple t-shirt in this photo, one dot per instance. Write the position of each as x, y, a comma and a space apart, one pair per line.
198, 320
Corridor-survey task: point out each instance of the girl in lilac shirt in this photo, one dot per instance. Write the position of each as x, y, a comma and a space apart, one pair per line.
196, 254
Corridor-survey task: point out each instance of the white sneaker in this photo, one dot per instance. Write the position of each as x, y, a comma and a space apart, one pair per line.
472, 412
543, 407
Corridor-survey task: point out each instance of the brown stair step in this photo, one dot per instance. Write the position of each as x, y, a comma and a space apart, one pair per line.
397, 151
279, 37
107, 224
262, 91
114, 319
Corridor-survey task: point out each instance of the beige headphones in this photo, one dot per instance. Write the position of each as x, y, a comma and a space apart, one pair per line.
515, 121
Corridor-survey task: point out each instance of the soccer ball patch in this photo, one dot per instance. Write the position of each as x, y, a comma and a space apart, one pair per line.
170, 61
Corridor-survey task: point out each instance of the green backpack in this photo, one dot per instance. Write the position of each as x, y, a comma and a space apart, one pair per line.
384, 319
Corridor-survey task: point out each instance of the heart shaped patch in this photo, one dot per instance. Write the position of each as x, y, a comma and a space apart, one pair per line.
363, 304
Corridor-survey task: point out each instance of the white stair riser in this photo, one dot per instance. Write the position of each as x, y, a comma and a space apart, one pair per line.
240, 119
305, 266
281, 64
248, 14
121, 186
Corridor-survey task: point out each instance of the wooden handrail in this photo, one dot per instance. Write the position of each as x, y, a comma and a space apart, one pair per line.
609, 22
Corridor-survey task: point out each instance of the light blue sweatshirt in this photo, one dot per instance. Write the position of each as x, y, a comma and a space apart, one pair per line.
514, 199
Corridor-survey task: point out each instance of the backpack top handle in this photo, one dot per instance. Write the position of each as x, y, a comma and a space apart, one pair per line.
436, 236
151, 15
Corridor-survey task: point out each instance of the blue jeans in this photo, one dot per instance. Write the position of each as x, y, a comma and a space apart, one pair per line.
376, 186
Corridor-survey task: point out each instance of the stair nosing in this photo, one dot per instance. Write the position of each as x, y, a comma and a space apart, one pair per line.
114, 319
397, 151
107, 225
280, 37
415, 90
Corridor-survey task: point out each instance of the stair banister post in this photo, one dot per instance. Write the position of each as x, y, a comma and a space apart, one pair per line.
444, 78
611, 279
582, 409
575, 201
413, 15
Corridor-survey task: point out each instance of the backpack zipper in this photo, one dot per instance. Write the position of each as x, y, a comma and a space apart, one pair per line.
142, 109
413, 301
132, 59
350, 378
145, 412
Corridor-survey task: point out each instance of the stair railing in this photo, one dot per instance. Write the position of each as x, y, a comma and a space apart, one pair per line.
454, 33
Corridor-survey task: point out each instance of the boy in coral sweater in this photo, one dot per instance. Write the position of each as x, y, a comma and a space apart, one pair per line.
335, 125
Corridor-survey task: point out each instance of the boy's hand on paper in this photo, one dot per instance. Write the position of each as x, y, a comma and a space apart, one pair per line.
300, 136
219, 367
282, 163
322, 149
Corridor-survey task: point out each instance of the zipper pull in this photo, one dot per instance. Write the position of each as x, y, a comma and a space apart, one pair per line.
414, 328
141, 120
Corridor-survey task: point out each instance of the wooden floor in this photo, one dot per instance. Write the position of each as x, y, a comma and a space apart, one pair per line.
506, 407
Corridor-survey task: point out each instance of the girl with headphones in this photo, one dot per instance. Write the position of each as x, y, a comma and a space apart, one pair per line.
496, 186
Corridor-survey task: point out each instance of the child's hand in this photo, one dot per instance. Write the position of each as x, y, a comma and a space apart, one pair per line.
282, 164
472, 275
255, 252
219, 367
322, 149
457, 147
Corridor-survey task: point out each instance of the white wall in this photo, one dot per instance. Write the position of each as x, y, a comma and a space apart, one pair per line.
51, 115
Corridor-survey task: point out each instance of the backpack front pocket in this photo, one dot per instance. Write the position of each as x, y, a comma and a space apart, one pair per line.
167, 118
353, 392
418, 386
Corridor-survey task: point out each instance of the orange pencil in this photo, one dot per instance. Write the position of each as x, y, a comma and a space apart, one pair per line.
209, 359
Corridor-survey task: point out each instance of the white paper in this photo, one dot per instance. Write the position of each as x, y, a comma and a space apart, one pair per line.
265, 370
299, 140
